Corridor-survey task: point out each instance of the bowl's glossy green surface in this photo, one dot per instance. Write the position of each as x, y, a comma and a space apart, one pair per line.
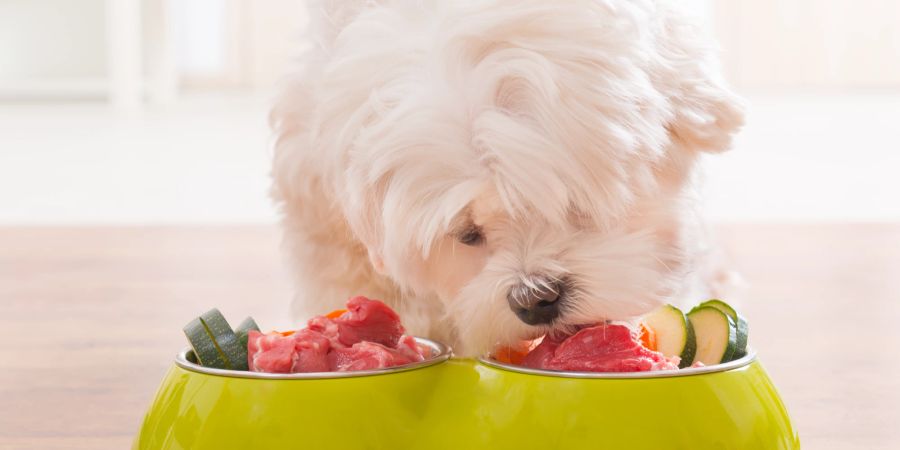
465, 404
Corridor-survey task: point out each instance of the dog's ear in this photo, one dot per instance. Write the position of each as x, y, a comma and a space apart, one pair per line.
706, 114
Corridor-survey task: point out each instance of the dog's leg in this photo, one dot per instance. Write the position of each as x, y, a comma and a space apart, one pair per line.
327, 264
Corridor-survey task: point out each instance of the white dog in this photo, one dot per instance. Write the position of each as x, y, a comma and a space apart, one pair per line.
498, 169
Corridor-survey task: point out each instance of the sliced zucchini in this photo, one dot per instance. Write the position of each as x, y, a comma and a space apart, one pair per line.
243, 329
674, 334
716, 335
743, 328
234, 354
205, 349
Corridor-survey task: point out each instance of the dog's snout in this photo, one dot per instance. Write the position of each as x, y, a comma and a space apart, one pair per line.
536, 304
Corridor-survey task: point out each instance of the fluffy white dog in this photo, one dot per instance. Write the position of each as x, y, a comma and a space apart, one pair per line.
498, 169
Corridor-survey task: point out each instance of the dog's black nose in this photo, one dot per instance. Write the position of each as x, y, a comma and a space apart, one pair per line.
536, 305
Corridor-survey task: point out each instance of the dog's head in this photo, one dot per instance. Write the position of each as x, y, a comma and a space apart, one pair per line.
526, 162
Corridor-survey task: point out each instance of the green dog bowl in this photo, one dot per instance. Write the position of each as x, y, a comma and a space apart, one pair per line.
445, 403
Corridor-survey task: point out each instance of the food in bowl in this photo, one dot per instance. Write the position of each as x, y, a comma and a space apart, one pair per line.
366, 335
667, 339
601, 348
215, 344
369, 335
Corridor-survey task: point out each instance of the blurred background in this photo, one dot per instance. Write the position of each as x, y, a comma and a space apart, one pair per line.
134, 160
154, 111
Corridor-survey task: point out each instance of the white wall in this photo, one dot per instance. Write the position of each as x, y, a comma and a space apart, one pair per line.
811, 157
810, 43
274, 38
238, 43
51, 39
218, 43
250, 43
202, 34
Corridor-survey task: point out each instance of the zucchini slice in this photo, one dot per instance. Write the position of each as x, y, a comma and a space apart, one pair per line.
205, 350
243, 329
743, 328
674, 334
716, 335
234, 354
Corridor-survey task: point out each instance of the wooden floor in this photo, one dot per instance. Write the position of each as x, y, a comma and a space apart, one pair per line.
90, 319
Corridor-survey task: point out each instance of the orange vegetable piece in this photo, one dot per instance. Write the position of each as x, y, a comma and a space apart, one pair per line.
648, 337
332, 315
513, 354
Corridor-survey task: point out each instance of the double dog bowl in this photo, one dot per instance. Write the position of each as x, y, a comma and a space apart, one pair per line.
445, 403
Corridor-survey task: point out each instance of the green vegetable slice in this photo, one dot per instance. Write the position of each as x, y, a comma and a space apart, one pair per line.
742, 327
674, 334
205, 349
227, 342
243, 329
716, 335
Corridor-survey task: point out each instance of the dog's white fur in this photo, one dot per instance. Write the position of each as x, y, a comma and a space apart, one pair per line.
567, 131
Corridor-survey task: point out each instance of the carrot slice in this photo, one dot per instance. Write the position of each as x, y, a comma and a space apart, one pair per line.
332, 315
513, 354
648, 337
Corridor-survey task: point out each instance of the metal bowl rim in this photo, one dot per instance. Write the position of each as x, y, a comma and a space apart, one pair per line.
442, 353
686, 372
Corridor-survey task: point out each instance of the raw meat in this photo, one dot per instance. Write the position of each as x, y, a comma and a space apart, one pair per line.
409, 348
366, 355
269, 352
326, 327
369, 320
311, 352
368, 336
601, 348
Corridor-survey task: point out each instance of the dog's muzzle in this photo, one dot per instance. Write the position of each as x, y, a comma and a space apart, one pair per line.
536, 305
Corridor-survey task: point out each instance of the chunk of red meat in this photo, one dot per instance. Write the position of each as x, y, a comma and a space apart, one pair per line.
303, 351
602, 348
366, 356
272, 352
311, 351
326, 327
540, 355
368, 336
369, 320
411, 349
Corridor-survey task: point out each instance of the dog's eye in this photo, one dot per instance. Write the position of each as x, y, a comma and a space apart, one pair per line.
472, 236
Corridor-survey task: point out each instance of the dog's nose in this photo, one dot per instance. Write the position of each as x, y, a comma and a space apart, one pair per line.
535, 305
